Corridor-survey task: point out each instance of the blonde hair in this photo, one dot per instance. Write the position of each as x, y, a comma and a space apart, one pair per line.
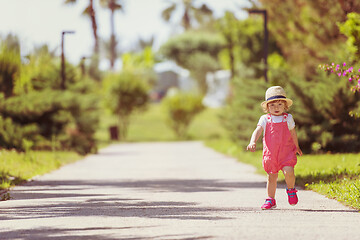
266, 109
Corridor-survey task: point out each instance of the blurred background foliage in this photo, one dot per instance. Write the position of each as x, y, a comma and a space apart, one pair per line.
36, 113
181, 108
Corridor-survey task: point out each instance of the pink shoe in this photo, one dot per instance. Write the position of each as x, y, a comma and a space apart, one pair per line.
292, 197
269, 204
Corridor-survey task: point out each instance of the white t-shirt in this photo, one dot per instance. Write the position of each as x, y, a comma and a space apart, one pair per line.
277, 119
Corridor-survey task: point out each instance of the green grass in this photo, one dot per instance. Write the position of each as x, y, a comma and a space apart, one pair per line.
18, 167
151, 126
335, 175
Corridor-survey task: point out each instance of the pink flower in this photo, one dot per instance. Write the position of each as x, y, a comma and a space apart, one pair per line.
339, 74
350, 79
344, 64
344, 74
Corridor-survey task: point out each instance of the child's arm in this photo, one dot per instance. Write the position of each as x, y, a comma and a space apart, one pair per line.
295, 139
254, 137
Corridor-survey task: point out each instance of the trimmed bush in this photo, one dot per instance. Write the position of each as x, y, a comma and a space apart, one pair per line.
64, 118
181, 109
125, 93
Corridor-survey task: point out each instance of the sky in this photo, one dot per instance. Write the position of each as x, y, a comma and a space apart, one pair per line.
38, 22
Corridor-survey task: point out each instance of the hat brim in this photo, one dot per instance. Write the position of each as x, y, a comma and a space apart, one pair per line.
287, 100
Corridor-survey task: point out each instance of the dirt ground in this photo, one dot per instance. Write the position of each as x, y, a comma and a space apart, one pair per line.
180, 190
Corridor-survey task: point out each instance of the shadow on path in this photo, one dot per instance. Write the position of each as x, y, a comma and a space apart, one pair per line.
86, 234
118, 208
70, 199
163, 185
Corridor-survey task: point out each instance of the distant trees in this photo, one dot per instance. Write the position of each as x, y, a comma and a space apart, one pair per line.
196, 51
89, 11
112, 5
191, 14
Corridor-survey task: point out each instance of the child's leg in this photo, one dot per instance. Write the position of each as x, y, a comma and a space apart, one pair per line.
289, 176
271, 184
290, 182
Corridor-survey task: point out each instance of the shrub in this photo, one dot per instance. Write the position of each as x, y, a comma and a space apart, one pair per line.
125, 93
242, 114
181, 109
48, 115
9, 68
322, 110
13, 135
35, 113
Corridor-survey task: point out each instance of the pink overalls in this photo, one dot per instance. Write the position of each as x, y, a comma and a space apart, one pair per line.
279, 148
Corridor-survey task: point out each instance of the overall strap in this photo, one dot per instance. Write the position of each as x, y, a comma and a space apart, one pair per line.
285, 116
268, 117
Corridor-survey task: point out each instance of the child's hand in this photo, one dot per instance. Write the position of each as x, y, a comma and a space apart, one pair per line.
298, 151
251, 147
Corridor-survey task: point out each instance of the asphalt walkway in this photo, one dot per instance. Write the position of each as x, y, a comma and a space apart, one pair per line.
179, 190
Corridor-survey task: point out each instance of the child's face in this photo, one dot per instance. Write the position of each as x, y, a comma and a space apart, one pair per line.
276, 108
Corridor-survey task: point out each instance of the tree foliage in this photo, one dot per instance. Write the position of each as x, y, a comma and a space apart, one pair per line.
191, 15
242, 114
351, 29
196, 51
322, 109
244, 46
10, 65
306, 30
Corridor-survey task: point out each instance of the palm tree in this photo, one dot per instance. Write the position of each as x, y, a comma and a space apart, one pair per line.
144, 43
90, 12
113, 5
191, 13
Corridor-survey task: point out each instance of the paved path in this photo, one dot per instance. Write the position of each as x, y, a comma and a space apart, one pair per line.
165, 191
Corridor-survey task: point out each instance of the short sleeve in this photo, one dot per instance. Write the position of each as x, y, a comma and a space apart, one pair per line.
290, 122
262, 122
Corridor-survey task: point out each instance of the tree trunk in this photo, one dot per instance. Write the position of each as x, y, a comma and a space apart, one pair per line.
112, 40
94, 27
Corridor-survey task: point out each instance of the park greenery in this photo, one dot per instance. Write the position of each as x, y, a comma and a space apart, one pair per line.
42, 115
181, 108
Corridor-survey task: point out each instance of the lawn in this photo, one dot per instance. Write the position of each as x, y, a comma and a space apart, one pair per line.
151, 126
18, 167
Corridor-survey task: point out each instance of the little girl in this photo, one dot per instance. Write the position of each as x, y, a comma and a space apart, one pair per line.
280, 144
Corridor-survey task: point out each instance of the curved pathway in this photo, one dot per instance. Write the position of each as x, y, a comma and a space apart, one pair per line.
180, 190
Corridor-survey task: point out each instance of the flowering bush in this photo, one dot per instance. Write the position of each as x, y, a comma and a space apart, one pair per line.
344, 71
